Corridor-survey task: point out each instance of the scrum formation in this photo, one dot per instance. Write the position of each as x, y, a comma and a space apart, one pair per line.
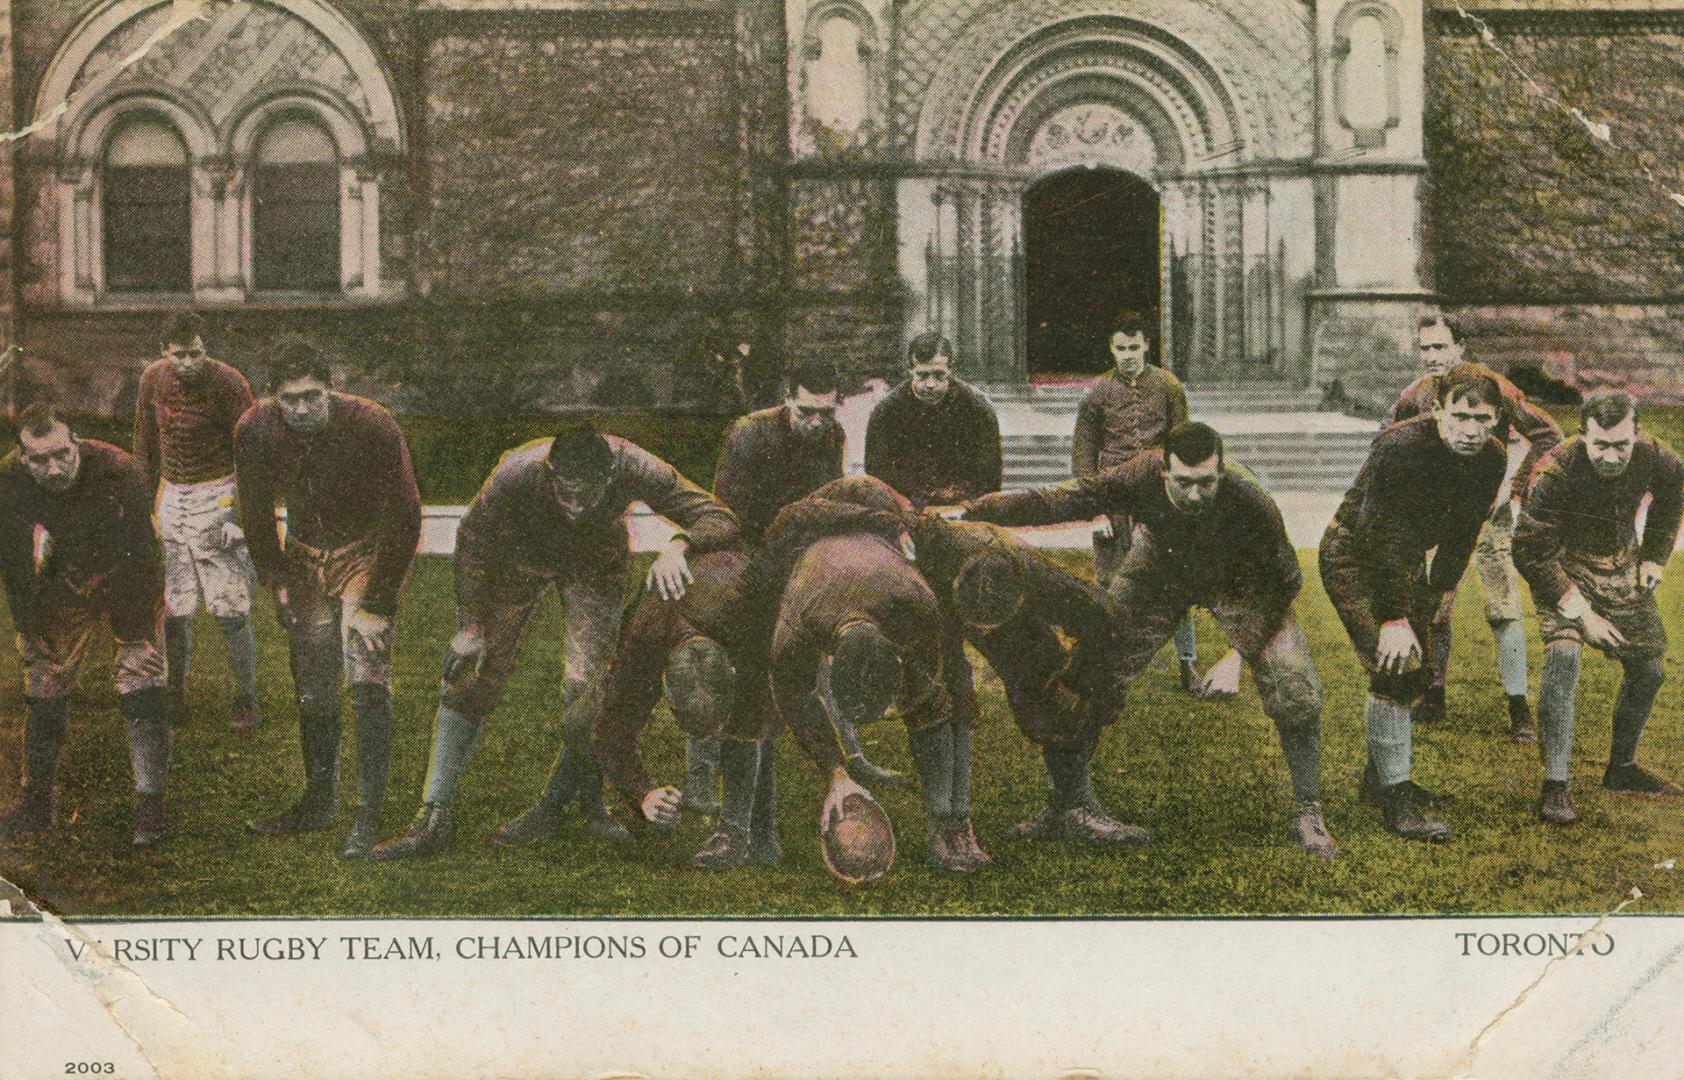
794, 599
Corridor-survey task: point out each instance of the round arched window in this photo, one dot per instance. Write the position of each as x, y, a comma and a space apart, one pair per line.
147, 221
295, 208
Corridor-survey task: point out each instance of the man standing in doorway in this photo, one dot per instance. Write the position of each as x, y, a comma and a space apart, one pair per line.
1133, 407
339, 465
77, 550
1440, 344
1391, 560
933, 438
1594, 582
188, 407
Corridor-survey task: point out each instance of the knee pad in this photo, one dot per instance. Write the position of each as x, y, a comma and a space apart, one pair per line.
700, 685
865, 673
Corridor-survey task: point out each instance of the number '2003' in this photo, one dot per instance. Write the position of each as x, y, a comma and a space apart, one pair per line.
89, 1068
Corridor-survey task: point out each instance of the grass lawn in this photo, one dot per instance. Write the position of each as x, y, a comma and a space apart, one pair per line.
1206, 778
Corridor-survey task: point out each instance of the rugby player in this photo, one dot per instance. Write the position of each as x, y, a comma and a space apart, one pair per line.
933, 438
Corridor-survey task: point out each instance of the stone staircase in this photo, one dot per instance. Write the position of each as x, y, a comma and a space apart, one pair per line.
1273, 429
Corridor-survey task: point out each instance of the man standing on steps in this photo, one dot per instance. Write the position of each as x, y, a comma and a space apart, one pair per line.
1391, 560
933, 438
184, 435
1213, 538
1440, 343
1132, 408
77, 550
552, 514
339, 465
1594, 582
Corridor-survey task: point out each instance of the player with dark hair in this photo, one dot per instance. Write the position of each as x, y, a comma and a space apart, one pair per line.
933, 438
551, 514
858, 630
1131, 408
1594, 580
1213, 538
1427, 487
188, 406
1047, 634
1440, 343
700, 653
77, 551
339, 465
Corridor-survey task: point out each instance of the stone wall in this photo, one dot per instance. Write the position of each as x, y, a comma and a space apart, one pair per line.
1639, 347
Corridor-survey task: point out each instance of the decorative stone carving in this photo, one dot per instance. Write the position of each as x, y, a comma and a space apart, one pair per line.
1092, 134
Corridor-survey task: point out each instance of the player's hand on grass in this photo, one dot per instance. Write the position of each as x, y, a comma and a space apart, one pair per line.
1649, 576
1400, 649
660, 807
841, 786
1600, 632
1104, 530
1222, 681
367, 628
671, 572
464, 655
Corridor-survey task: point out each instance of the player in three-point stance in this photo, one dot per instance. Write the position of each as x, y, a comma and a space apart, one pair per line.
1427, 487
1209, 537
551, 514
1594, 580
339, 465
77, 550
185, 415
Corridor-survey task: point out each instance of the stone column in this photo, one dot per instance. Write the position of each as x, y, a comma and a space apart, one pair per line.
1368, 173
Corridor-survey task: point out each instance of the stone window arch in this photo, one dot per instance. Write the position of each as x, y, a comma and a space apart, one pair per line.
843, 84
259, 92
1367, 37
146, 195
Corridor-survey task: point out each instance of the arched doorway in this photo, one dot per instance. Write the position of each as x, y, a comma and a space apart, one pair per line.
1091, 249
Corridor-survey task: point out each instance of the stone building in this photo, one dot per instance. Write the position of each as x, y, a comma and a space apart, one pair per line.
513, 205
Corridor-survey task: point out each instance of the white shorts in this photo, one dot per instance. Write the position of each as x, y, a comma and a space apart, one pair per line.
197, 561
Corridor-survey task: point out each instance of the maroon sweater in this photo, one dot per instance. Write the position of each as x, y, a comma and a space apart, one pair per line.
352, 481
1571, 509
184, 428
1518, 415
104, 549
764, 466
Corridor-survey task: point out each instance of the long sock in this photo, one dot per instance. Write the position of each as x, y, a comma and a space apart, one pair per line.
1389, 746
961, 797
1071, 774
1439, 638
454, 739
320, 731
43, 737
373, 705
1642, 682
147, 713
740, 762
764, 824
590, 791
701, 768
1186, 640
1301, 746
1557, 696
932, 750
242, 656
563, 785
178, 649
1511, 655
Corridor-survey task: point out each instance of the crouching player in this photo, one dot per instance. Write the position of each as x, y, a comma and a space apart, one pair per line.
77, 549
1213, 538
1392, 558
1594, 582
701, 655
551, 514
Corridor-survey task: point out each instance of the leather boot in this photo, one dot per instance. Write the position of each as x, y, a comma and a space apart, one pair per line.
726, 849
1310, 831
1043, 826
1522, 729
429, 834
31, 813
365, 833
1556, 805
1405, 819
151, 820
1085, 825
